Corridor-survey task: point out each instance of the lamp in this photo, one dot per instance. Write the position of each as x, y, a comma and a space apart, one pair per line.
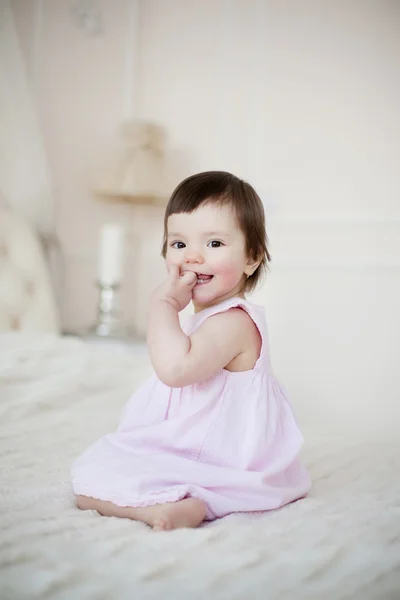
136, 176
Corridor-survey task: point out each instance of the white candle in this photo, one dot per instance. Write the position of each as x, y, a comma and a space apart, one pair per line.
111, 255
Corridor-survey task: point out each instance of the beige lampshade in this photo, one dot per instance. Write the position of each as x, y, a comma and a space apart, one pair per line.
138, 174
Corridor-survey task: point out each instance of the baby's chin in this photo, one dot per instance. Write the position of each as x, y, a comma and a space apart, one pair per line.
204, 298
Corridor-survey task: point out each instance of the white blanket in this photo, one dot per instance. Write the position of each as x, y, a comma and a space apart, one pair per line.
58, 395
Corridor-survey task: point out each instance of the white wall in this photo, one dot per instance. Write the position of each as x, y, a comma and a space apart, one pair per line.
302, 99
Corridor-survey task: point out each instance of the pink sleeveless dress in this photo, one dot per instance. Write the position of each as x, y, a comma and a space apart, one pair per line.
231, 440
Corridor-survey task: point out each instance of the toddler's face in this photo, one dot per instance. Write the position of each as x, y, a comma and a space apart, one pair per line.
209, 242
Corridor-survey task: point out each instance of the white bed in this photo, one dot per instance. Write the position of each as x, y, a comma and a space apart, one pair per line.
57, 395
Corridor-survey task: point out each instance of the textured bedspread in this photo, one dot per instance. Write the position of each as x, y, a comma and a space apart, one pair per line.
59, 395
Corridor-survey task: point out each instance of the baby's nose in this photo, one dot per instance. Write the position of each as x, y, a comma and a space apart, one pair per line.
193, 256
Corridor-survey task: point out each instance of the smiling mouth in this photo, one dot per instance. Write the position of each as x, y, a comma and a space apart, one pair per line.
202, 279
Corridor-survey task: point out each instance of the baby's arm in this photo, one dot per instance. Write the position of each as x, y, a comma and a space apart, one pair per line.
180, 360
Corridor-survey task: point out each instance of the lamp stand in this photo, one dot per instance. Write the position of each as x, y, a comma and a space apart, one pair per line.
109, 322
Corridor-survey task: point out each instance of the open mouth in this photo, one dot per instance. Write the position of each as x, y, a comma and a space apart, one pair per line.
203, 279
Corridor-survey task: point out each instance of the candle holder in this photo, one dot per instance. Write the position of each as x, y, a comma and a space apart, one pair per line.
109, 322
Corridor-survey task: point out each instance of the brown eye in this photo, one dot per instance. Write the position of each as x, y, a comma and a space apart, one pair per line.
214, 244
177, 245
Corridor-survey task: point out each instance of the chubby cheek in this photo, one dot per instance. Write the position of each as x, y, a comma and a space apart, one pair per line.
228, 272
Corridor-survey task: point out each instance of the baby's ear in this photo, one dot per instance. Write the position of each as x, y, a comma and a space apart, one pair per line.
251, 266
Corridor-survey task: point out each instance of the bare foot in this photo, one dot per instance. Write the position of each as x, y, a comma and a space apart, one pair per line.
188, 512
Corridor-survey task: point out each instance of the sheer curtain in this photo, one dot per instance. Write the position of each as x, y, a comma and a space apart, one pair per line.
25, 182
24, 173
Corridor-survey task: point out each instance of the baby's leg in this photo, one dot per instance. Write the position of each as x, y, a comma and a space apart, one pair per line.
188, 512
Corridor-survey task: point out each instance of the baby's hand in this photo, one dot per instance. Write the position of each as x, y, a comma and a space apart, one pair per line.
176, 289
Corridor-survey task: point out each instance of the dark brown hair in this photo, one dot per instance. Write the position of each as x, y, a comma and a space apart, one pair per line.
225, 189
